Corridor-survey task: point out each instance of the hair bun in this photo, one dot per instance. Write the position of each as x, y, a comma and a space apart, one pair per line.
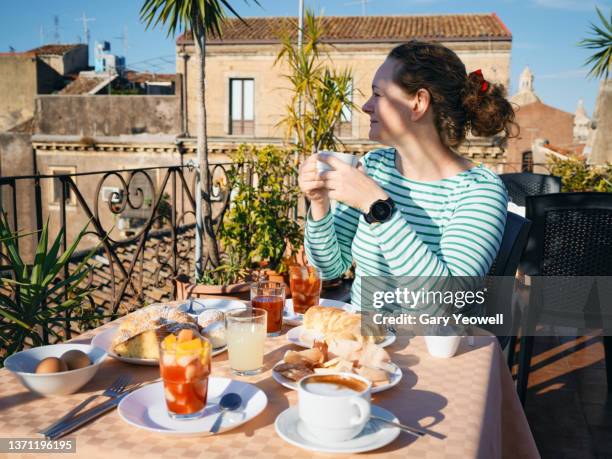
487, 109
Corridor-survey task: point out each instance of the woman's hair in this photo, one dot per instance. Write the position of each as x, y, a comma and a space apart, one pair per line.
460, 103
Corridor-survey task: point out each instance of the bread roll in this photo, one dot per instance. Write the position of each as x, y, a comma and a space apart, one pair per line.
334, 323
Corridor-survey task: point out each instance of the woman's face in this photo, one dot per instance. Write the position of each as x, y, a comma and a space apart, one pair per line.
388, 107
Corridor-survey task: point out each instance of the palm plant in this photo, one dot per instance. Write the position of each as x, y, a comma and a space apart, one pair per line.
37, 301
320, 95
202, 18
601, 41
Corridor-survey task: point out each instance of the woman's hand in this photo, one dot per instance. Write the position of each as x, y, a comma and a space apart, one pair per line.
314, 188
351, 185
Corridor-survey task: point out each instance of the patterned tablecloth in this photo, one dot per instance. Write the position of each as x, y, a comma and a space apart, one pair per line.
469, 402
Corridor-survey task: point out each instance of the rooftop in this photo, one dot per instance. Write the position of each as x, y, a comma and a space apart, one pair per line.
144, 77
83, 85
339, 29
58, 50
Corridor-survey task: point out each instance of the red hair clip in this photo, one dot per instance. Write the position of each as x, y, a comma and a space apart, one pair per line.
484, 84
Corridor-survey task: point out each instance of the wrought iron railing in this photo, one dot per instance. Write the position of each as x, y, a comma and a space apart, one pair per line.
141, 220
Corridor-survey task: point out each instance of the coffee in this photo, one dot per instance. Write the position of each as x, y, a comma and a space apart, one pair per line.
334, 385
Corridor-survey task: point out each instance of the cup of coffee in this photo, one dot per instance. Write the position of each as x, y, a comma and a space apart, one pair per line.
442, 346
347, 158
334, 407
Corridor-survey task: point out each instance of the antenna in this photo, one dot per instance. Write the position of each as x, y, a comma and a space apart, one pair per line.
124, 39
363, 5
56, 30
84, 19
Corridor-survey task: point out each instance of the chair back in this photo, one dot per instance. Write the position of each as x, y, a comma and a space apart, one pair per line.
523, 184
569, 255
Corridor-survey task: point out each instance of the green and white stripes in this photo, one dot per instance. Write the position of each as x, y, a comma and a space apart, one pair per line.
450, 227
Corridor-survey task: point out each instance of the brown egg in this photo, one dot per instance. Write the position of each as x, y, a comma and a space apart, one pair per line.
51, 365
75, 359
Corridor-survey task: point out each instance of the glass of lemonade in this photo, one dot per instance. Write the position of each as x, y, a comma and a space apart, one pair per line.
245, 335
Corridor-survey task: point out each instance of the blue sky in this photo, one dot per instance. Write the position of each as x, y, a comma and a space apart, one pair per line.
545, 32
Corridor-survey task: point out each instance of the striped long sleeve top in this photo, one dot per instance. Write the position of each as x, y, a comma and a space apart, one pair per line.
448, 227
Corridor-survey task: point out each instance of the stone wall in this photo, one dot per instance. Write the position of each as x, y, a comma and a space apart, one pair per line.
104, 115
600, 138
18, 87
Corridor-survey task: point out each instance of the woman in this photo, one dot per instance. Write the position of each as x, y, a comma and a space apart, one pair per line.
417, 208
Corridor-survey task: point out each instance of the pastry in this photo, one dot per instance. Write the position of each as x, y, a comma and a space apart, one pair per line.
140, 333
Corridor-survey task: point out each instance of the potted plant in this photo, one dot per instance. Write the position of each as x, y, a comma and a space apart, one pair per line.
259, 235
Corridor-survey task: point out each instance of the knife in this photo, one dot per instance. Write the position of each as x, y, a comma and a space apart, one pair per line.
82, 419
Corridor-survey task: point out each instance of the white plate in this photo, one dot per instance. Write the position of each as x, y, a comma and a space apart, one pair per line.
374, 435
145, 408
104, 341
293, 335
291, 318
201, 304
396, 377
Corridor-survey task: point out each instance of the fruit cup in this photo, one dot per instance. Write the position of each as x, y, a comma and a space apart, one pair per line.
184, 365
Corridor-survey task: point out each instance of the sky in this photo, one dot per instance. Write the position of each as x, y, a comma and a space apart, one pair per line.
545, 33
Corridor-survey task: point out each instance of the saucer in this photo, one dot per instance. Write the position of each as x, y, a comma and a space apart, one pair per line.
374, 435
145, 408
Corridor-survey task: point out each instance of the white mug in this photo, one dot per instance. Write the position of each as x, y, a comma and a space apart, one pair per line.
442, 346
347, 158
331, 415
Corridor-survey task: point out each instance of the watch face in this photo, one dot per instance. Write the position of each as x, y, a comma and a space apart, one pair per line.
381, 210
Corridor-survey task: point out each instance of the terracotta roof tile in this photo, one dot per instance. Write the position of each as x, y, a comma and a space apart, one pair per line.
143, 77
370, 28
82, 85
54, 49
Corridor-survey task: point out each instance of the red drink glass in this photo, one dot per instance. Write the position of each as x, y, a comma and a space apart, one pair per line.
270, 296
305, 282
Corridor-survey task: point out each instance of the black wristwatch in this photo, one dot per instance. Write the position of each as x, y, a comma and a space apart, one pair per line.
380, 211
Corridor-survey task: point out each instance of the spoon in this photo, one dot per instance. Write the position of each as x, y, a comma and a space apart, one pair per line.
411, 430
229, 402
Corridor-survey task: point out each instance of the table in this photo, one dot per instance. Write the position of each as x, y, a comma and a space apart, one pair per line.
468, 402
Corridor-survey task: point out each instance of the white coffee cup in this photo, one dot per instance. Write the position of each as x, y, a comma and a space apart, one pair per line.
334, 407
347, 158
442, 346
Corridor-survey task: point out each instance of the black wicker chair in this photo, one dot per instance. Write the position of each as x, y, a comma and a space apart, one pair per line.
571, 235
521, 185
506, 264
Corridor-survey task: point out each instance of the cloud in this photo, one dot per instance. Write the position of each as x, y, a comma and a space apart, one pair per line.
569, 5
564, 74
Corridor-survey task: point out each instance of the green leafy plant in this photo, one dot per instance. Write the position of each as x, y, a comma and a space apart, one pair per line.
577, 175
601, 42
259, 225
37, 301
320, 95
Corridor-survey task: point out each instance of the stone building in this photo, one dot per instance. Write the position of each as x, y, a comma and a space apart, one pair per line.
246, 93
540, 123
42, 70
599, 143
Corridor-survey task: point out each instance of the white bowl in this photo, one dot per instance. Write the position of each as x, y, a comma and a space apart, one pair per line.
23, 364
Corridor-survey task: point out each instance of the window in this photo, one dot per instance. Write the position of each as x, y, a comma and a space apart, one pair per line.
527, 162
344, 127
56, 195
242, 106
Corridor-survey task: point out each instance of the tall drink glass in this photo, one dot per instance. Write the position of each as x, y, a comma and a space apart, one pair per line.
184, 364
245, 335
270, 296
305, 282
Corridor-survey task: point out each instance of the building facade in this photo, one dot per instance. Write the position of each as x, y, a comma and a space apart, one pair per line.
247, 92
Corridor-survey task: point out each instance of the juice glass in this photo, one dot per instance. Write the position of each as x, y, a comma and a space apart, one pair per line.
270, 296
184, 364
245, 333
305, 282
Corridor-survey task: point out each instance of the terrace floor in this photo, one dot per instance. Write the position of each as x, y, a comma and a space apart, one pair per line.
568, 406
